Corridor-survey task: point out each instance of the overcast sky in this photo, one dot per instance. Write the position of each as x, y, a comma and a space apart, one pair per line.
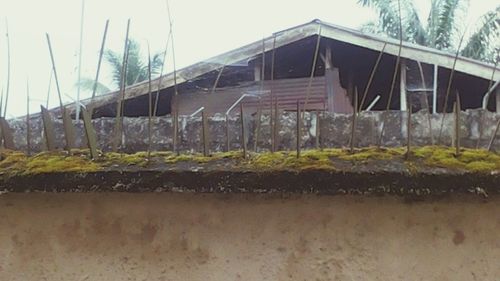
202, 29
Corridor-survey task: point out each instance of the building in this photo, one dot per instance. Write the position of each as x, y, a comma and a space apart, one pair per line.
343, 60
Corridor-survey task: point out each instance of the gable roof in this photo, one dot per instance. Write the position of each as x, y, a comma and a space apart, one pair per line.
315, 27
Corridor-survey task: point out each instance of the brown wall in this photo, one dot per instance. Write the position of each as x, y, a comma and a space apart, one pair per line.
246, 237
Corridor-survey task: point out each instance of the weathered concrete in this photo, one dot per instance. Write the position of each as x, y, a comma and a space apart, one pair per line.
335, 131
168, 236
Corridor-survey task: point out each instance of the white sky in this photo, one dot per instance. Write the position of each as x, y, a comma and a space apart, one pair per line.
202, 29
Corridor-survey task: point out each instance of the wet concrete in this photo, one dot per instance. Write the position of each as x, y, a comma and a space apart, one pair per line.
193, 236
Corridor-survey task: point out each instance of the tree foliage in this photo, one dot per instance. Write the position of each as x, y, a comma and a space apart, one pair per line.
137, 68
443, 28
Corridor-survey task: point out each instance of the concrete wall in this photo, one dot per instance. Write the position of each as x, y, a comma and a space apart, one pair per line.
167, 236
335, 131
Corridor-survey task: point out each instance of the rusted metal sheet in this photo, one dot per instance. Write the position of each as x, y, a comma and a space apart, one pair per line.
287, 91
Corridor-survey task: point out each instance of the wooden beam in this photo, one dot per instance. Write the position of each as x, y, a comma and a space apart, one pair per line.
402, 86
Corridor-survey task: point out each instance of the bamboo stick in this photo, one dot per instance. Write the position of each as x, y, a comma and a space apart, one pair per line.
119, 107
394, 76
318, 130
313, 68
205, 138
243, 136
7, 90
257, 126
493, 137
271, 95
157, 98
28, 141
175, 127
48, 90
408, 131
80, 55
457, 125
227, 133
450, 81
150, 110
276, 125
67, 123
354, 121
96, 80
298, 131
372, 75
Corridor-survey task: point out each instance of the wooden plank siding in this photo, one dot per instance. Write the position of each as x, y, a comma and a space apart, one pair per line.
287, 91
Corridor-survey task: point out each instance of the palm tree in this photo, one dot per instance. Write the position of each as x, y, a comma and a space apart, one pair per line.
137, 68
443, 28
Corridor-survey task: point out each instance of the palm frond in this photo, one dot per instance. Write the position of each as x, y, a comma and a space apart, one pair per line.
115, 61
483, 41
413, 29
388, 19
87, 84
372, 27
449, 13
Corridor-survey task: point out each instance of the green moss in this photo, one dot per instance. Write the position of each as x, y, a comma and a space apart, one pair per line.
49, 163
475, 160
311, 159
374, 153
433, 156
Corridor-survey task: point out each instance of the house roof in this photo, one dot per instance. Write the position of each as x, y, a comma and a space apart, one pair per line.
315, 27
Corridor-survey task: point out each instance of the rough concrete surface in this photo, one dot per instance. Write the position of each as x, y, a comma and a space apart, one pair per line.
191, 236
477, 127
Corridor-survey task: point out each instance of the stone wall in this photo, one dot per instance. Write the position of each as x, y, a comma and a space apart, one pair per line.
334, 131
192, 236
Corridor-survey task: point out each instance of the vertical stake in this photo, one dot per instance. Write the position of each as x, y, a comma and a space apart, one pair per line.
408, 130
354, 120
175, 128
90, 133
243, 141
66, 122
119, 104
204, 133
457, 125
276, 126
299, 120
257, 126
28, 141
150, 106
492, 141
318, 130
227, 133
